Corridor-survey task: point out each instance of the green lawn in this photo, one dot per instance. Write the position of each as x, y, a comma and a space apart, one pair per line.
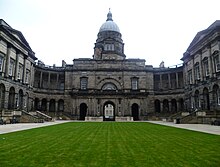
109, 144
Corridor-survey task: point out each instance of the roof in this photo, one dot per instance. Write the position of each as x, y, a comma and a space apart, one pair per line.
202, 34
16, 34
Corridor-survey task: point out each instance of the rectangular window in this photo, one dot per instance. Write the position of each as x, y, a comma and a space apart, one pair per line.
1, 63
197, 71
190, 77
217, 63
20, 70
134, 83
206, 67
11, 67
27, 76
83, 83
61, 86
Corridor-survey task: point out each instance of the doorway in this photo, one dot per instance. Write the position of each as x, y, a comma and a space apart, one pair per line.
109, 111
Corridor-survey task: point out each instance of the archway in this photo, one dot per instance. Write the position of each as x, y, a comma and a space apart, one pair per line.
44, 105
11, 98
196, 97
109, 111
135, 111
165, 105
20, 99
36, 104
2, 96
52, 105
181, 104
83, 110
173, 105
157, 105
60, 105
206, 99
216, 95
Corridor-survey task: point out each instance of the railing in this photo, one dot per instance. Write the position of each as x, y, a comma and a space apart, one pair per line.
188, 118
27, 117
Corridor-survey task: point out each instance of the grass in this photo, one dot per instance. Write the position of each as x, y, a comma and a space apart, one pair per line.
109, 144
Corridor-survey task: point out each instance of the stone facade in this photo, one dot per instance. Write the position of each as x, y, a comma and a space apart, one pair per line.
107, 86
202, 70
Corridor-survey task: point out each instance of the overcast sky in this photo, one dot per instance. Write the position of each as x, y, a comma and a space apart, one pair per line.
154, 30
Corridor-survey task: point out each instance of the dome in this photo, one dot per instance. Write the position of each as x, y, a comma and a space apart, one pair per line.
109, 25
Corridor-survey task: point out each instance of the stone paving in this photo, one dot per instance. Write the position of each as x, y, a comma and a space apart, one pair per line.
195, 127
24, 126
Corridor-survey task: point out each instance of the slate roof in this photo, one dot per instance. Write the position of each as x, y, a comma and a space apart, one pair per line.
202, 34
17, 35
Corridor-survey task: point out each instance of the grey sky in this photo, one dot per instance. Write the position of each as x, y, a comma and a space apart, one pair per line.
151, 30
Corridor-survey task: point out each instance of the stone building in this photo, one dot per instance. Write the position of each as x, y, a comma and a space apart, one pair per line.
16, 69
201, 69
107, 86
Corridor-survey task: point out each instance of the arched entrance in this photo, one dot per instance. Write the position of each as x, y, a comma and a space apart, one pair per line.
181, 104
173, 105
11, 98
20, 99
2, 96
165, 105
135, 111
52, 105
109, 111
44, 105
157, 105
83, 110
206, 99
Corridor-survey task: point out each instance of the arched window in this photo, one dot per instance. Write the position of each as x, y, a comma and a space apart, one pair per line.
109, 86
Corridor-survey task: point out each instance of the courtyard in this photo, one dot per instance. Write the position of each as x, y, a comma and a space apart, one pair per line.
109, 144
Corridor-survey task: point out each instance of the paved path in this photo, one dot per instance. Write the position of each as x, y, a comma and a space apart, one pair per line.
195, 127
24, 126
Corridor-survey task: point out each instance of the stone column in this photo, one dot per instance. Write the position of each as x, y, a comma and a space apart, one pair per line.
48, 106
177, 80
161, 86
56, 107
57, 81
48, 82
169, 84
32, 75
7, 63
24, 69
170, 106
41, 76
210, 63
6, 99
193, 77
16, 66
202, 75
177, 106
161, 106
